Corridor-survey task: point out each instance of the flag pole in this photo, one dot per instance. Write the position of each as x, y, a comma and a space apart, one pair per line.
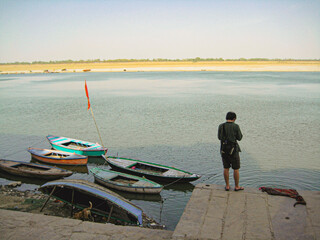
89, 106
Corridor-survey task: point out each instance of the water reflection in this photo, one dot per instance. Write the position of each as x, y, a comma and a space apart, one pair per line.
180, 187
96, 160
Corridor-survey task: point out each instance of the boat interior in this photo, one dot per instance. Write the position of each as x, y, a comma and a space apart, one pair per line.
124, 180
76, 145
23, 166
147, 168
56, 155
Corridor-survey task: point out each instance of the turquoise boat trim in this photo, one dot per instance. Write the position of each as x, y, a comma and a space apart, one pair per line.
80, 152
58, 147
87, 148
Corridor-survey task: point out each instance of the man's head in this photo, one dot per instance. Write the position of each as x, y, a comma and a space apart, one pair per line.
231, 116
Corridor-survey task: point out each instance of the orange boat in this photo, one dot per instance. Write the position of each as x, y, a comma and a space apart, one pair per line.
57, 157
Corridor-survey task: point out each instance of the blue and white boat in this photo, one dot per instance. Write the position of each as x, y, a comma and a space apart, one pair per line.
76, 146
81, 194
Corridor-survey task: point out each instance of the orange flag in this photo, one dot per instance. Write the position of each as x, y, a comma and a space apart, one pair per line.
87, 93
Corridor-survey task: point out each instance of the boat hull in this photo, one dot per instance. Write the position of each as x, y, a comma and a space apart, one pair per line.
33, 170
58, 157
80, 193
184, 176
125, 182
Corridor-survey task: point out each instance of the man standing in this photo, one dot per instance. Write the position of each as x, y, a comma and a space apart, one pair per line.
228, 134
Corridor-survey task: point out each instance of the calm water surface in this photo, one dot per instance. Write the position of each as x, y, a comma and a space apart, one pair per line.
172, 119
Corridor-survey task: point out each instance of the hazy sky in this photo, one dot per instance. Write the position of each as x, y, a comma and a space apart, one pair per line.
91, 29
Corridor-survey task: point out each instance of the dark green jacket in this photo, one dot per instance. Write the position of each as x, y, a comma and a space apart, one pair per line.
233, 133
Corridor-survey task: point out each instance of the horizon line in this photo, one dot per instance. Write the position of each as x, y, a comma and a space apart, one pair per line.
197, 59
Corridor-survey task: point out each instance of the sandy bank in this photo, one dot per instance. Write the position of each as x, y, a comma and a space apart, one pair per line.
250, 66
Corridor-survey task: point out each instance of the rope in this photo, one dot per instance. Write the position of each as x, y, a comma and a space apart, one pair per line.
206, 179
183, 177
173, 182
12, 153
97, 128
22, 150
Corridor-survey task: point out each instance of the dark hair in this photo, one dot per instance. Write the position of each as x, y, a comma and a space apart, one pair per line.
231, 116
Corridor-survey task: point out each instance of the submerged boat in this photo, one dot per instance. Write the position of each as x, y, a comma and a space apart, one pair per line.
58, 157
33, 170
125, 182
76, 146
152, 171
104, 202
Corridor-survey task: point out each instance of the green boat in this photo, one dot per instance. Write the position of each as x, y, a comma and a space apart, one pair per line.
125, 182
152, 171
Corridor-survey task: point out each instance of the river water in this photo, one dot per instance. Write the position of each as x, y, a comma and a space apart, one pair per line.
172, 118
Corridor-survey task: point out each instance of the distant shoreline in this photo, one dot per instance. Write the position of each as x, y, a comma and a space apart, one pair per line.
235, 66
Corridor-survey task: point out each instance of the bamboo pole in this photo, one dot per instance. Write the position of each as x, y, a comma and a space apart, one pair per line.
72, 200
110, 214
97, 128
48, 199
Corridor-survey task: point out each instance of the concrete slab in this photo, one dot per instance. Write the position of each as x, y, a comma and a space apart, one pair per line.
235, 218
22, 225
213, 213
258, 219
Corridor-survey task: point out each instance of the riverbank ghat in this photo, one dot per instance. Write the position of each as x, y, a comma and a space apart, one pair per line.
211, 213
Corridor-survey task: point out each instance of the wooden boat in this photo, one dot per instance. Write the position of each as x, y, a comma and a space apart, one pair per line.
29, 180
152, 171
33, 170
76, 146
104, 202
58, 157
125, 182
